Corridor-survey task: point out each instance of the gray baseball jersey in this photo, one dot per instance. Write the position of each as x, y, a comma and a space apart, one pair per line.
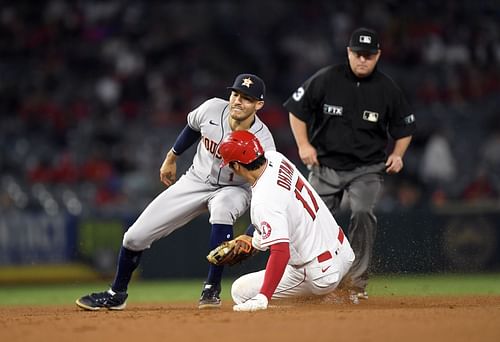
205, 186
212, 120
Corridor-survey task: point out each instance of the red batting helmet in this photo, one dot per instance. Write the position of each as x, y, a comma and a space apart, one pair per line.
240, 146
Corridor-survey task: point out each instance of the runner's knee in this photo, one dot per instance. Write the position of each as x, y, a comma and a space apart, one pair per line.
237, 291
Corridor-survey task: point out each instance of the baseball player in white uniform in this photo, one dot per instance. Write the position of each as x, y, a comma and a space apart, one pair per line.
309, 253
205, 187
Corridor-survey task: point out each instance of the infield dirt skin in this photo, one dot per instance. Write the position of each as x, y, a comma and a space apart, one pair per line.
423, 319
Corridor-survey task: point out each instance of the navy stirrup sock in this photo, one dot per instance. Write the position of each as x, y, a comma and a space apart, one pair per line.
128, 261
220, 233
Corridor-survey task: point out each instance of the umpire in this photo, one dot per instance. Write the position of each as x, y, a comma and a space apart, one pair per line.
341, 118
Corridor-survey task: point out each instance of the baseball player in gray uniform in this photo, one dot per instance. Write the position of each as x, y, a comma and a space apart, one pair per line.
204, 187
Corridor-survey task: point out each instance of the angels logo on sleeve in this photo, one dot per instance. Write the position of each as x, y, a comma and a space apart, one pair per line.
265, 230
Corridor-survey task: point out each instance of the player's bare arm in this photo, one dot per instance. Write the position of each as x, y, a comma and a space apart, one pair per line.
394, 162
307, 152
168, 169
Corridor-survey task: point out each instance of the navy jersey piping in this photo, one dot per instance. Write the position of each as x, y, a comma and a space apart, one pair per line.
222, 137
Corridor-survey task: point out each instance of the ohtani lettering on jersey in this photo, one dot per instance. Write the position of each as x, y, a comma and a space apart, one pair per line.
211, 147
285, 175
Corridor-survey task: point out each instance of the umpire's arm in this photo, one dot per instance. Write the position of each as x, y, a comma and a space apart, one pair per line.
394, 162
307, 152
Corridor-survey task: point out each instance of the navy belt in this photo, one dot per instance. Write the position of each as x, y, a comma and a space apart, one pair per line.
327, 255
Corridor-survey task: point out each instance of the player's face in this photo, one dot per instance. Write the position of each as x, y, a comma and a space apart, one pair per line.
242, 107
362, 63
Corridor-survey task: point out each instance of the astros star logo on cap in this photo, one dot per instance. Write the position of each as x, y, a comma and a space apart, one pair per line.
247, 82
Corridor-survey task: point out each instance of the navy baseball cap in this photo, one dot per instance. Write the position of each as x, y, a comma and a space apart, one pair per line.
250, 85
364, 40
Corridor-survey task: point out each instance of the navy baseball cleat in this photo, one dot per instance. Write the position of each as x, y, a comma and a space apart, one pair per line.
103, 300
210, 296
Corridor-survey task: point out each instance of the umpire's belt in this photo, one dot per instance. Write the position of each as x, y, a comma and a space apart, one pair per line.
327, 255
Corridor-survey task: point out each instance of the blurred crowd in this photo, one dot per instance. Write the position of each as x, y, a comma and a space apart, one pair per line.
94, 93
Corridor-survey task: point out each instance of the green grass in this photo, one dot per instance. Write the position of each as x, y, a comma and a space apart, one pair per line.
429, 285
189, 290
139, 291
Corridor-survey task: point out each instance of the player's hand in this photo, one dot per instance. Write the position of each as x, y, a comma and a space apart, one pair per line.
243, 244
259, 302
308, 155
394, 164
168, 169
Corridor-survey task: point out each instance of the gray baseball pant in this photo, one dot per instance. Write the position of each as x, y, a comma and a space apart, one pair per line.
363, 186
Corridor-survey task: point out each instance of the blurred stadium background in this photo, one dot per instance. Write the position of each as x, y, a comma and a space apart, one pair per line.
93, 94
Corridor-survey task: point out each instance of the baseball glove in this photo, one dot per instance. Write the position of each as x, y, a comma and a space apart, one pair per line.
232, 252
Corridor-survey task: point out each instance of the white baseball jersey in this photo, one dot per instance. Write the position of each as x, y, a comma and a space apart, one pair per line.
286, 208
204, 187
212, 120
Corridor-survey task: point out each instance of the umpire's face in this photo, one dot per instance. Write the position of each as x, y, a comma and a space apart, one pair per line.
362, 63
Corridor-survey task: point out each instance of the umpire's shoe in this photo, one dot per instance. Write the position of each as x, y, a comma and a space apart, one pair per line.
103, 300
210, 296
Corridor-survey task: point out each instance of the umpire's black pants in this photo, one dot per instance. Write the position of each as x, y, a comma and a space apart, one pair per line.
363, 187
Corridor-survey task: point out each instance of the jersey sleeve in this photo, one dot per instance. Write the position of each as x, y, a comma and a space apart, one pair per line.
271, 224
305, 100
197, 116
402, 120
256, 242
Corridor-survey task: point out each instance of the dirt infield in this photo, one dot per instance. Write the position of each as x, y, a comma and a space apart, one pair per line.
385, 319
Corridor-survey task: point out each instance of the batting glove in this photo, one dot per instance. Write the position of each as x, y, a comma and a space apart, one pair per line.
259, 302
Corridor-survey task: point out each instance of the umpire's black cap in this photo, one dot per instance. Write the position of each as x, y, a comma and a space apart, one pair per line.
364, 40
250, 85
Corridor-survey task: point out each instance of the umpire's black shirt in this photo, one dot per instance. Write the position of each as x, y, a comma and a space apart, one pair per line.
349, 118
